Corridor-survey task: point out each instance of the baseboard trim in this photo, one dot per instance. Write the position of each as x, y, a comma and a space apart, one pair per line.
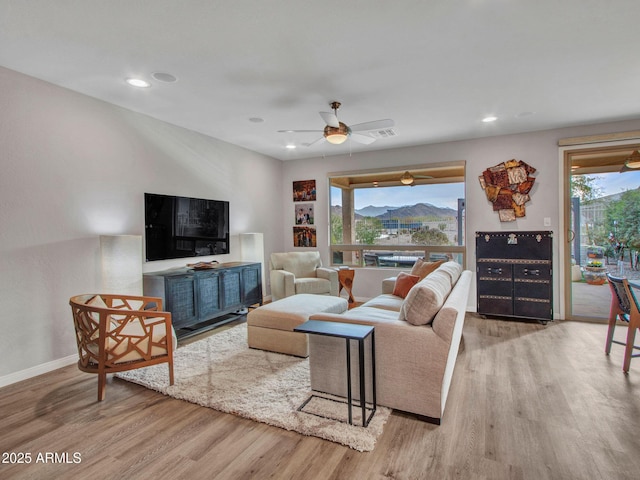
37, 370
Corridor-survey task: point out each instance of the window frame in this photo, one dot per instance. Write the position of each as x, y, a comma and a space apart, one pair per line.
445, 172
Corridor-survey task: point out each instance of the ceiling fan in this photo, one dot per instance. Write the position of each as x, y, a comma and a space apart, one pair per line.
408, 179
632, 162
337, 132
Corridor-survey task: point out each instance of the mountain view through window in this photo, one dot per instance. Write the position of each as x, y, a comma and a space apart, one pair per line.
399, 221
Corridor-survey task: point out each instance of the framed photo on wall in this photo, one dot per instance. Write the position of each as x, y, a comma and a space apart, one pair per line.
304, 191
304, 237
303, 213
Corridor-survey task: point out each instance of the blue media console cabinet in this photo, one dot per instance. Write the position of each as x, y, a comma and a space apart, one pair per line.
203, 299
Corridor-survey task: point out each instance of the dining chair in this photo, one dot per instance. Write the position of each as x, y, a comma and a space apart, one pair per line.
624, 307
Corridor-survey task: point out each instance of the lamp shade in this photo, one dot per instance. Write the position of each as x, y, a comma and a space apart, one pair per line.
252, 250
121, 264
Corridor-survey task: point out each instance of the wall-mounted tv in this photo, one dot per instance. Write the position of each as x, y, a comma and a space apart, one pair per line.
180, 227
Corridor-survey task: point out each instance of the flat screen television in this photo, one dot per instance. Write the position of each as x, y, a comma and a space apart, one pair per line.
180, 227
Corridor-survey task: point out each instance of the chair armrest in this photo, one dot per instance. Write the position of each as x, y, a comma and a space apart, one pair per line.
330, 274
132, 302
282, 284
388, 284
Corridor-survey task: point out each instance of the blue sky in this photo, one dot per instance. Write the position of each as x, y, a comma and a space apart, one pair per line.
611, 183
444, 195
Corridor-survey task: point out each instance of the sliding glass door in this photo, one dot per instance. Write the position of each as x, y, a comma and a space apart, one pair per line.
602, 216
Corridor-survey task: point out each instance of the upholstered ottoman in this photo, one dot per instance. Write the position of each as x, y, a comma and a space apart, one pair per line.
270, 327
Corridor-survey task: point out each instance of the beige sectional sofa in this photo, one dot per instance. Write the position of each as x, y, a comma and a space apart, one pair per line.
416, 344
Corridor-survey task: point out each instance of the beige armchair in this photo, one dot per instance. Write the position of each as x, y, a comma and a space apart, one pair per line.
301, 272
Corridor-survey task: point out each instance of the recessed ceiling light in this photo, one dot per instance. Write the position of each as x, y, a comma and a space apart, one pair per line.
489, 119
138, 82
524, 114
290, 146
164, 77
256, 120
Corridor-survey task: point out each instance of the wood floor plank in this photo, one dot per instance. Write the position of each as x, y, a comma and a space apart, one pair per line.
527, 402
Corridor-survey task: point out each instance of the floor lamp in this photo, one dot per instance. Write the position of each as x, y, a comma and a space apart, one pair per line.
252, 250
121, 264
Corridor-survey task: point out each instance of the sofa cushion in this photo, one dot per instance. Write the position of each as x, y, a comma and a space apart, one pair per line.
425, 299
454, 269
117, 349
423, 268
301, 268
388, 284
404, 282
317, 286
301, 264
138, 328
363, 315
385, 301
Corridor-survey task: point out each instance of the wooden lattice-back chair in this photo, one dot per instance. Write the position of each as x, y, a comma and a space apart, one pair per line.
624, 307
121, 332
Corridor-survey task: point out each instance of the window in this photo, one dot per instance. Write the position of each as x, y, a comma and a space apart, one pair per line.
389, 218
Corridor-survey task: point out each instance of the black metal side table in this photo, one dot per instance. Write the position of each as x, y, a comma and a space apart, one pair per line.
349, 332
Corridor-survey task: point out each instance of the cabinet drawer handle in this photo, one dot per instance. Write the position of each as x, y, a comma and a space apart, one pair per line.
526, 271
497, 271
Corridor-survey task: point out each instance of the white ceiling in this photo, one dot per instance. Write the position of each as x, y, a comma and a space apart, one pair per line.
436, 67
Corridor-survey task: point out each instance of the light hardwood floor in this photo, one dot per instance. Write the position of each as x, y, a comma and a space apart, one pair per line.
527, 402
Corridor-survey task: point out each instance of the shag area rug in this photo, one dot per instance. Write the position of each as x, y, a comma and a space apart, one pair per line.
222, 373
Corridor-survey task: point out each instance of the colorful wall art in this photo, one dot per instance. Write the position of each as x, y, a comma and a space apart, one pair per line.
507, 186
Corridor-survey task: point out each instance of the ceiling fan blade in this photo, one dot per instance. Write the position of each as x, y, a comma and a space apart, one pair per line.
330, 119
321, 139
300, 131
360, 138
422, 176
375, 125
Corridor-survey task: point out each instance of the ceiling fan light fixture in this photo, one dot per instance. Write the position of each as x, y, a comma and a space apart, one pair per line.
632, 162
336, 135
406, 178
336, 138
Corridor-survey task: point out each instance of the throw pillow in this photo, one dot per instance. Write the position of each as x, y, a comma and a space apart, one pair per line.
422, 268
424, 301
454, 270
404, 282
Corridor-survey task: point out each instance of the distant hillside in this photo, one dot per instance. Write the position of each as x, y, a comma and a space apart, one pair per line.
420, 210
337, 210
372, 211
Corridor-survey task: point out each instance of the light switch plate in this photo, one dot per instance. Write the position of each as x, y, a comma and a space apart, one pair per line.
547, 221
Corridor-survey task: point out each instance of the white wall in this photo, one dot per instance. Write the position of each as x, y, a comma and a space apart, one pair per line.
74, 168
539, 149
